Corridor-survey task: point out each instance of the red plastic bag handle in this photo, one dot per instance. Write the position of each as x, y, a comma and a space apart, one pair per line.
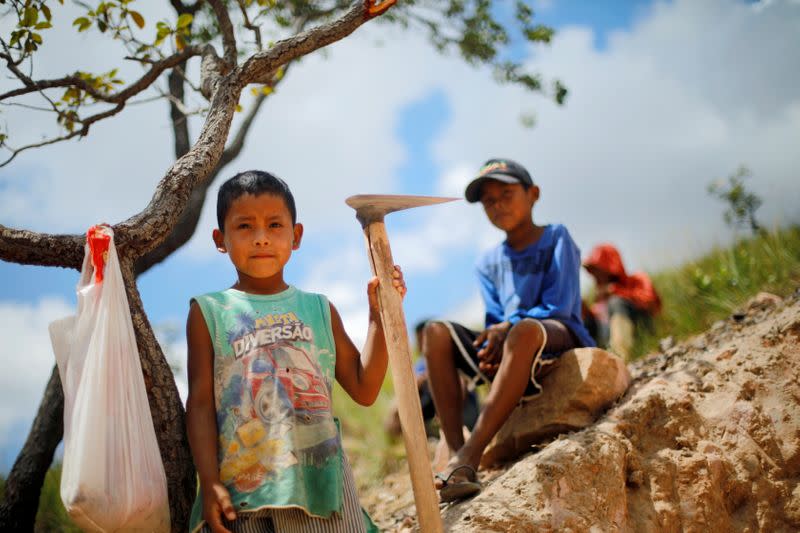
99, 241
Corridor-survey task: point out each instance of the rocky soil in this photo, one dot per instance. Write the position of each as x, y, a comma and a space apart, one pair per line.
707, 438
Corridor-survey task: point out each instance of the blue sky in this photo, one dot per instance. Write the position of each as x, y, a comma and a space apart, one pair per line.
417, 126
659, 106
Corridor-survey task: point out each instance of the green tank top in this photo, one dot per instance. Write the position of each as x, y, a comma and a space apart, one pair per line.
274, 366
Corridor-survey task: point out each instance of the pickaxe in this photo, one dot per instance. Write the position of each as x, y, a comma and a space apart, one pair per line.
370, 210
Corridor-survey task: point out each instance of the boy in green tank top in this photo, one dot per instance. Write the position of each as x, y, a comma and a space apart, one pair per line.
262, 357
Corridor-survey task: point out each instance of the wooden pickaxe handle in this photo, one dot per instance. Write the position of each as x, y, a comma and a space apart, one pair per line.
405, 387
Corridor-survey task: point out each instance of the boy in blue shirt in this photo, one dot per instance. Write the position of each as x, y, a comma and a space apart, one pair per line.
530, 288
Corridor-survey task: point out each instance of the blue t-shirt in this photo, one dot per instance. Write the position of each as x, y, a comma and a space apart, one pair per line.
541, 281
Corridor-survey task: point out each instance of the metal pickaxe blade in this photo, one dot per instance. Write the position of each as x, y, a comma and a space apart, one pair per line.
373, 207
370, 210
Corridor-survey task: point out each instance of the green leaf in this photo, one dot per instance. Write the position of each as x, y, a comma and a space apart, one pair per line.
539, 33
524, 12
16, 36
46, 12
36, 38
43, 26
180, 43
137, 18
561, 92
184, 21
29, 17
528, 120
82, 23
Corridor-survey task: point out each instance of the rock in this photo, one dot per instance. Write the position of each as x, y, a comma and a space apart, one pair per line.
760, 302
708, 441
764, 300
585, 382
666, 343
667, 457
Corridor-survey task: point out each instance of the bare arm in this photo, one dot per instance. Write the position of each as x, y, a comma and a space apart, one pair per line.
361, 375
201, 421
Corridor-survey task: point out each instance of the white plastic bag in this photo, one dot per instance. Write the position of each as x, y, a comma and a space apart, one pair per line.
112, 477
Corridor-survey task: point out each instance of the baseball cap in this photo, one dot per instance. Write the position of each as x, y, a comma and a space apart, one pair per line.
504, 170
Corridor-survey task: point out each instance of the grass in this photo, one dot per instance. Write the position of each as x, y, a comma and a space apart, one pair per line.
710, 288
51, 516
372, 453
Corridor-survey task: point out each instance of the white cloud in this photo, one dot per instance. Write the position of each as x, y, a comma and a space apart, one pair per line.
27, 359
650, 120
677, 101
470, 312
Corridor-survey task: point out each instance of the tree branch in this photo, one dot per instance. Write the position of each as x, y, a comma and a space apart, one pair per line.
74, 81
146, 230
31, 248
84, 130
258, 68
180, 8
255, 28
24, 482
212, 69
226, 28
187, 223
177, 115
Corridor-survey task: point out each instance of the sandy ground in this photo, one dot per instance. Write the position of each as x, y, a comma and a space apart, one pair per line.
707, 438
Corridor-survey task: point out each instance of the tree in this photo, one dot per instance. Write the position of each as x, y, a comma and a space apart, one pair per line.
241, 31
741, 203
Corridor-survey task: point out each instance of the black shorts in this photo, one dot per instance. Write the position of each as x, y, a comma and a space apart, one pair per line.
559, 339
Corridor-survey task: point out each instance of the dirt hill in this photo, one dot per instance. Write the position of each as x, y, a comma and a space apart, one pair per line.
707, 438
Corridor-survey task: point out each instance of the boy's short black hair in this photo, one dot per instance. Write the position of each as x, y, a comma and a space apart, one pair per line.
253, 182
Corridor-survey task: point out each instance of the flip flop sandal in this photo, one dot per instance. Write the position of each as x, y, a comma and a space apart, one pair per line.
451, 491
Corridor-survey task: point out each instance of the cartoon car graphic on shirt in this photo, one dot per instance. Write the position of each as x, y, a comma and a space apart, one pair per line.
284, 380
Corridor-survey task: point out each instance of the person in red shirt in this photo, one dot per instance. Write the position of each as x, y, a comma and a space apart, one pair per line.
622, 301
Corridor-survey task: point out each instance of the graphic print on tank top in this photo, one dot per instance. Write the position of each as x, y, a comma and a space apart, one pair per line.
275, 402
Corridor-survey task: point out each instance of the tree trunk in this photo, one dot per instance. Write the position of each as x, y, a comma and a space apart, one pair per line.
142, 234
24, 484
169, 417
